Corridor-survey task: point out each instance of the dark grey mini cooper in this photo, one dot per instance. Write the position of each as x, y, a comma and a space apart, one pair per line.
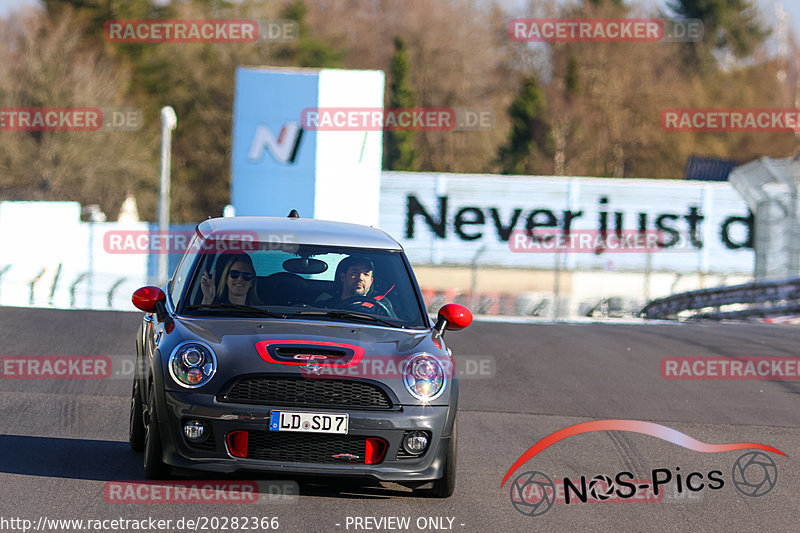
296, 346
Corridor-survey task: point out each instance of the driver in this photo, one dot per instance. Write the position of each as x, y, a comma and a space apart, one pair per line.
354, 277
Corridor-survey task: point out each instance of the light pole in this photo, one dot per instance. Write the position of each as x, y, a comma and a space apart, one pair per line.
168, 123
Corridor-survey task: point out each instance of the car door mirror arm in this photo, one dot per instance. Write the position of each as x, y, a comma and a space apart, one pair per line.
162, 314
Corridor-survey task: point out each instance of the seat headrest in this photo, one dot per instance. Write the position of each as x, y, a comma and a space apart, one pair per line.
282, 288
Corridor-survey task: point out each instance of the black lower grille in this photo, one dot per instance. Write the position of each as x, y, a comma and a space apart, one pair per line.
336, 393
305, 448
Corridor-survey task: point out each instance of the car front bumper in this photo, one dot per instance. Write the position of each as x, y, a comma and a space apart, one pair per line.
224, 417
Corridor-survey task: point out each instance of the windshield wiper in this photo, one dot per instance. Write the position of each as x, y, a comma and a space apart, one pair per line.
236, 307
349, 314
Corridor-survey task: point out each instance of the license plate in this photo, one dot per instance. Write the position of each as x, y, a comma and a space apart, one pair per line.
308, 422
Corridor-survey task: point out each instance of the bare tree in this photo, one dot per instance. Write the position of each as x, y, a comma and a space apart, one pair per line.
50, 65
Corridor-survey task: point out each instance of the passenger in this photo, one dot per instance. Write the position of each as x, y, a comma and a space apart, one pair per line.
237, 282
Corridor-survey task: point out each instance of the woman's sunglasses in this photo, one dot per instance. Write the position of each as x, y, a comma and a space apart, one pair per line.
247, 276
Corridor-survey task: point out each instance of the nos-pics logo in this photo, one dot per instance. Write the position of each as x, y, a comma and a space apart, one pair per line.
282, 148
533, 493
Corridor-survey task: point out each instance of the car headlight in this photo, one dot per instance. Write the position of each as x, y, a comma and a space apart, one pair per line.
424, 377
192, 364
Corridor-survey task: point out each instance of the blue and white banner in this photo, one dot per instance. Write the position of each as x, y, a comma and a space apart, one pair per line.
273, 163
278, 166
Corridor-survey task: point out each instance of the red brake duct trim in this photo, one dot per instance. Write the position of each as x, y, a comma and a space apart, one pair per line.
237, 443
376, 450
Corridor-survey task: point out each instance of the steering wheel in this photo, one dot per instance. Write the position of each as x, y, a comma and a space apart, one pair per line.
359, 301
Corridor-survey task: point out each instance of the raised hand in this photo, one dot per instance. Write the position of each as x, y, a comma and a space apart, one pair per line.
207, 285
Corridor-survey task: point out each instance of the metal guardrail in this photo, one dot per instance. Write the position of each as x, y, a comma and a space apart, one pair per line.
32, 284
114, 287
3, 270
74, 286
55, 284
764, 298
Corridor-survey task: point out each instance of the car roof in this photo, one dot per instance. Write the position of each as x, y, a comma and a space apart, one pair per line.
299, 231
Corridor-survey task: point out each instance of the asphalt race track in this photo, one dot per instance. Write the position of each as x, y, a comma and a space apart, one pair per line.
62, 440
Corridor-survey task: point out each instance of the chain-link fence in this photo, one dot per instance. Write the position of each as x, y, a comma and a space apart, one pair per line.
770, 188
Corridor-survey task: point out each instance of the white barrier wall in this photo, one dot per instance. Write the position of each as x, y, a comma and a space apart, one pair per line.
46, 249
440, 219
449, 219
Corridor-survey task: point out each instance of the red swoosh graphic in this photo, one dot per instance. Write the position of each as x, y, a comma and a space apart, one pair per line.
633, 426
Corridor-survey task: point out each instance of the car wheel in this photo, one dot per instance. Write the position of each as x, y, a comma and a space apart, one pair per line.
154, 467
446, 485
136, 429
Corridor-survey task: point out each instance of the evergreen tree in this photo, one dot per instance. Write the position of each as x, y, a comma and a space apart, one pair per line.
399, 152
728, 25
529, 139
571, 78
307, 51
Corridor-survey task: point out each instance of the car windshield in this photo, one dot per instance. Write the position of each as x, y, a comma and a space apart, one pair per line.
303, 281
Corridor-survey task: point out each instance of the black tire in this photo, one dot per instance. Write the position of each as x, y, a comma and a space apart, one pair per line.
154, 467
136, 429
446, 485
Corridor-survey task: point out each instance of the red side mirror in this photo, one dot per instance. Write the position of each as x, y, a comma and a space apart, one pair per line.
146, 298
457, 316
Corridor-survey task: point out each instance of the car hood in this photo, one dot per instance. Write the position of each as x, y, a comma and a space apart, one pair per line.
248, 347
219, 330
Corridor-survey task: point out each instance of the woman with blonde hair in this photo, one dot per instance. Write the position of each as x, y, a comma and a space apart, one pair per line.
237, 282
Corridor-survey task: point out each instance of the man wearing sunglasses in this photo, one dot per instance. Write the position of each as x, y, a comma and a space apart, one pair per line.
237, 285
